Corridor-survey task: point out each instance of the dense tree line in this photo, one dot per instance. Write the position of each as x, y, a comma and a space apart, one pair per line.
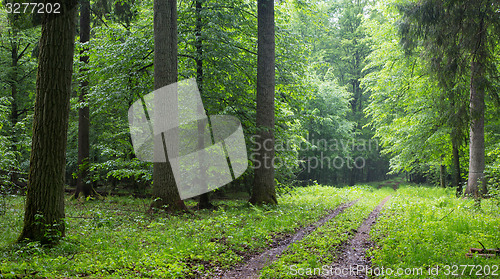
340, 92
114, 62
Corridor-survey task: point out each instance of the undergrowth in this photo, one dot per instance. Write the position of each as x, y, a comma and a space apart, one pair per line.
429, 230
421, 229
115, 238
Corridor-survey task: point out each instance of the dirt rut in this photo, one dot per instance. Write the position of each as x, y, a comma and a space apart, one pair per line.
352, 263
253, 266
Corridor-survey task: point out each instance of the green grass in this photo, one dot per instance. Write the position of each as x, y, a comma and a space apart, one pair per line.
114, 238
323, 246
420, 227
425, 228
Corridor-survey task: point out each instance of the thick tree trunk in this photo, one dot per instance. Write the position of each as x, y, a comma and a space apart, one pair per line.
44, 208
477, 106
82, 187
476, 141
264, 191
165, 193
204, 202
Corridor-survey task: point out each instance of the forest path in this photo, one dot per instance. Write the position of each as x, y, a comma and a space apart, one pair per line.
352, 262
253, 266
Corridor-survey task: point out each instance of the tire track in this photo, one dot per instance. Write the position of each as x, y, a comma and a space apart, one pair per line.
253, 267
352, 263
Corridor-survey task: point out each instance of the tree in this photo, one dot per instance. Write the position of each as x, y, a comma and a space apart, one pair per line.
82, 186
204, 202
462, 36
44, 209
339, 44
165, 193
348, 54
326, 117
264, 191
121, 72
405, 100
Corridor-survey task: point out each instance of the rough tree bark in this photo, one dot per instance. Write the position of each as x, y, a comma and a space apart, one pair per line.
82, 187
442, 175
264, 191
44, 208
477, 106
165, 193
204, 202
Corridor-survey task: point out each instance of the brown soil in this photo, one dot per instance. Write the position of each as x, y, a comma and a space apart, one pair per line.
352, 262
255, 264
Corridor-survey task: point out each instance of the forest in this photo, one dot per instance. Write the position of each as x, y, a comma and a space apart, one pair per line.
249, 138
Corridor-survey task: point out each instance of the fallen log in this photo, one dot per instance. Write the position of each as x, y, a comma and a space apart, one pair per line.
483, 252
118, 194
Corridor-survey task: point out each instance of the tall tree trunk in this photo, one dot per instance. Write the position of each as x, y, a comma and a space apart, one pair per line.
44, 208
165, 193
82, 187
476, 141
204, 202
264, 191
477, 106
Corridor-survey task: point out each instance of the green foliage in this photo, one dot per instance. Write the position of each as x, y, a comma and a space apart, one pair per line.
121, 67
17, 88
327, 126
414, 119
4, 149
492, 175
119, 73
492, 144
452, 36
135, 171
341, 74
337, 44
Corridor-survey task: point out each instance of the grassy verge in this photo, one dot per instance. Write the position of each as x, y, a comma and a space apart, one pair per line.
114, 238
429, 231
322, 246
